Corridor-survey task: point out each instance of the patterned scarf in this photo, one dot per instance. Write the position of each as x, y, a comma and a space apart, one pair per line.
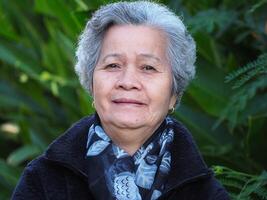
114, 174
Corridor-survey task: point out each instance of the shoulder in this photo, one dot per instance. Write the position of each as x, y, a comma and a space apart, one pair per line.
55, 171
210, 189
185, 143
29, 185
43, 179
190, 171
71, 142
78, 127
202, 189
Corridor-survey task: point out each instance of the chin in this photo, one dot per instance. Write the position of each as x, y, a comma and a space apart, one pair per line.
128, 120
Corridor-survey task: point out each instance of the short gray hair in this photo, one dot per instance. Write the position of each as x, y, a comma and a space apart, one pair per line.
181, 49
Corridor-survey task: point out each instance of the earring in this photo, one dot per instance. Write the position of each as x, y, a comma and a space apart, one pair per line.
93, 104
171, 111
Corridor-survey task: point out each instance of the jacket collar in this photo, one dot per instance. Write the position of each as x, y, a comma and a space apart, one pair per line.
69, 150
187, 164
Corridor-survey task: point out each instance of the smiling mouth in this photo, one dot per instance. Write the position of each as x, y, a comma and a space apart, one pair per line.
128, 102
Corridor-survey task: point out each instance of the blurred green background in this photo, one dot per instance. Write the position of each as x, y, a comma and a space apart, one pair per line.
225, 107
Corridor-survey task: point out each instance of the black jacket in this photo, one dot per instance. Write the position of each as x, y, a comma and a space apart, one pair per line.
61, 172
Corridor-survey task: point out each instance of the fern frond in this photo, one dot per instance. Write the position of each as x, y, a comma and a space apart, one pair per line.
261, 192
231, 183
240, 178
239, 101
260, 62
249, 188
246, 77
241, 185
222, 170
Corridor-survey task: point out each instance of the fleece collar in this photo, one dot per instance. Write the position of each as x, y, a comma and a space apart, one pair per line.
69, 150
187, 163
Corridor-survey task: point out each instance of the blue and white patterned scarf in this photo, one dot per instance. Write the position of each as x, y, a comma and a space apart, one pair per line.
114, 174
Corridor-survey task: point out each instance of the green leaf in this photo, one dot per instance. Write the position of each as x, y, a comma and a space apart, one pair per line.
200, 126
19, 58
69, 22
6, 30
209, 92
9, 173
22, 154
207, 20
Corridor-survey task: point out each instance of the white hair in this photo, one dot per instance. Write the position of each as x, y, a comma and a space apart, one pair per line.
181, 48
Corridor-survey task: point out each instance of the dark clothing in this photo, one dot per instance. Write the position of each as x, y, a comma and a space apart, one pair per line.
115, 174
62, 171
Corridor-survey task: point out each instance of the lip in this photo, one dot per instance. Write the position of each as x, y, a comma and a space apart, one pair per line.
128, 101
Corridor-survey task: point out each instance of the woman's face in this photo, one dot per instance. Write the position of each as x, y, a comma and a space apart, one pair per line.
132, 80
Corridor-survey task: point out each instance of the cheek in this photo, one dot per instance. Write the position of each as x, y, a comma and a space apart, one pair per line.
160, 90
161, 87
97, 84
102, 85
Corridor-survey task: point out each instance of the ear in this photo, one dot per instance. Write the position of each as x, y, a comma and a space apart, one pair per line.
91, 89
172, 101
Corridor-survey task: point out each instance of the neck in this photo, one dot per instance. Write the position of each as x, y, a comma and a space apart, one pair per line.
129, 139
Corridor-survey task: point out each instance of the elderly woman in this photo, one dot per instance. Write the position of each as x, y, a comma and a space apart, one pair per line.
135, 59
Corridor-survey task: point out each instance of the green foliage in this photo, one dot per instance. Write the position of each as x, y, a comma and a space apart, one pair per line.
241, 185
248, 79
249, 71
225, 107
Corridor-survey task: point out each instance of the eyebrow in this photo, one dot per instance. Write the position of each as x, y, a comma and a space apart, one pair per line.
116, 55
145, 55
150, 56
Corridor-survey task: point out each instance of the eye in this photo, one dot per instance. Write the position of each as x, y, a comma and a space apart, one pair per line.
148, 68
112, 66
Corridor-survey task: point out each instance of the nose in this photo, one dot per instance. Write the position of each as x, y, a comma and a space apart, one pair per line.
129, 79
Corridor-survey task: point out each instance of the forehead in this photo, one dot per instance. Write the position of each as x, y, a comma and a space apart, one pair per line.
134, 39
